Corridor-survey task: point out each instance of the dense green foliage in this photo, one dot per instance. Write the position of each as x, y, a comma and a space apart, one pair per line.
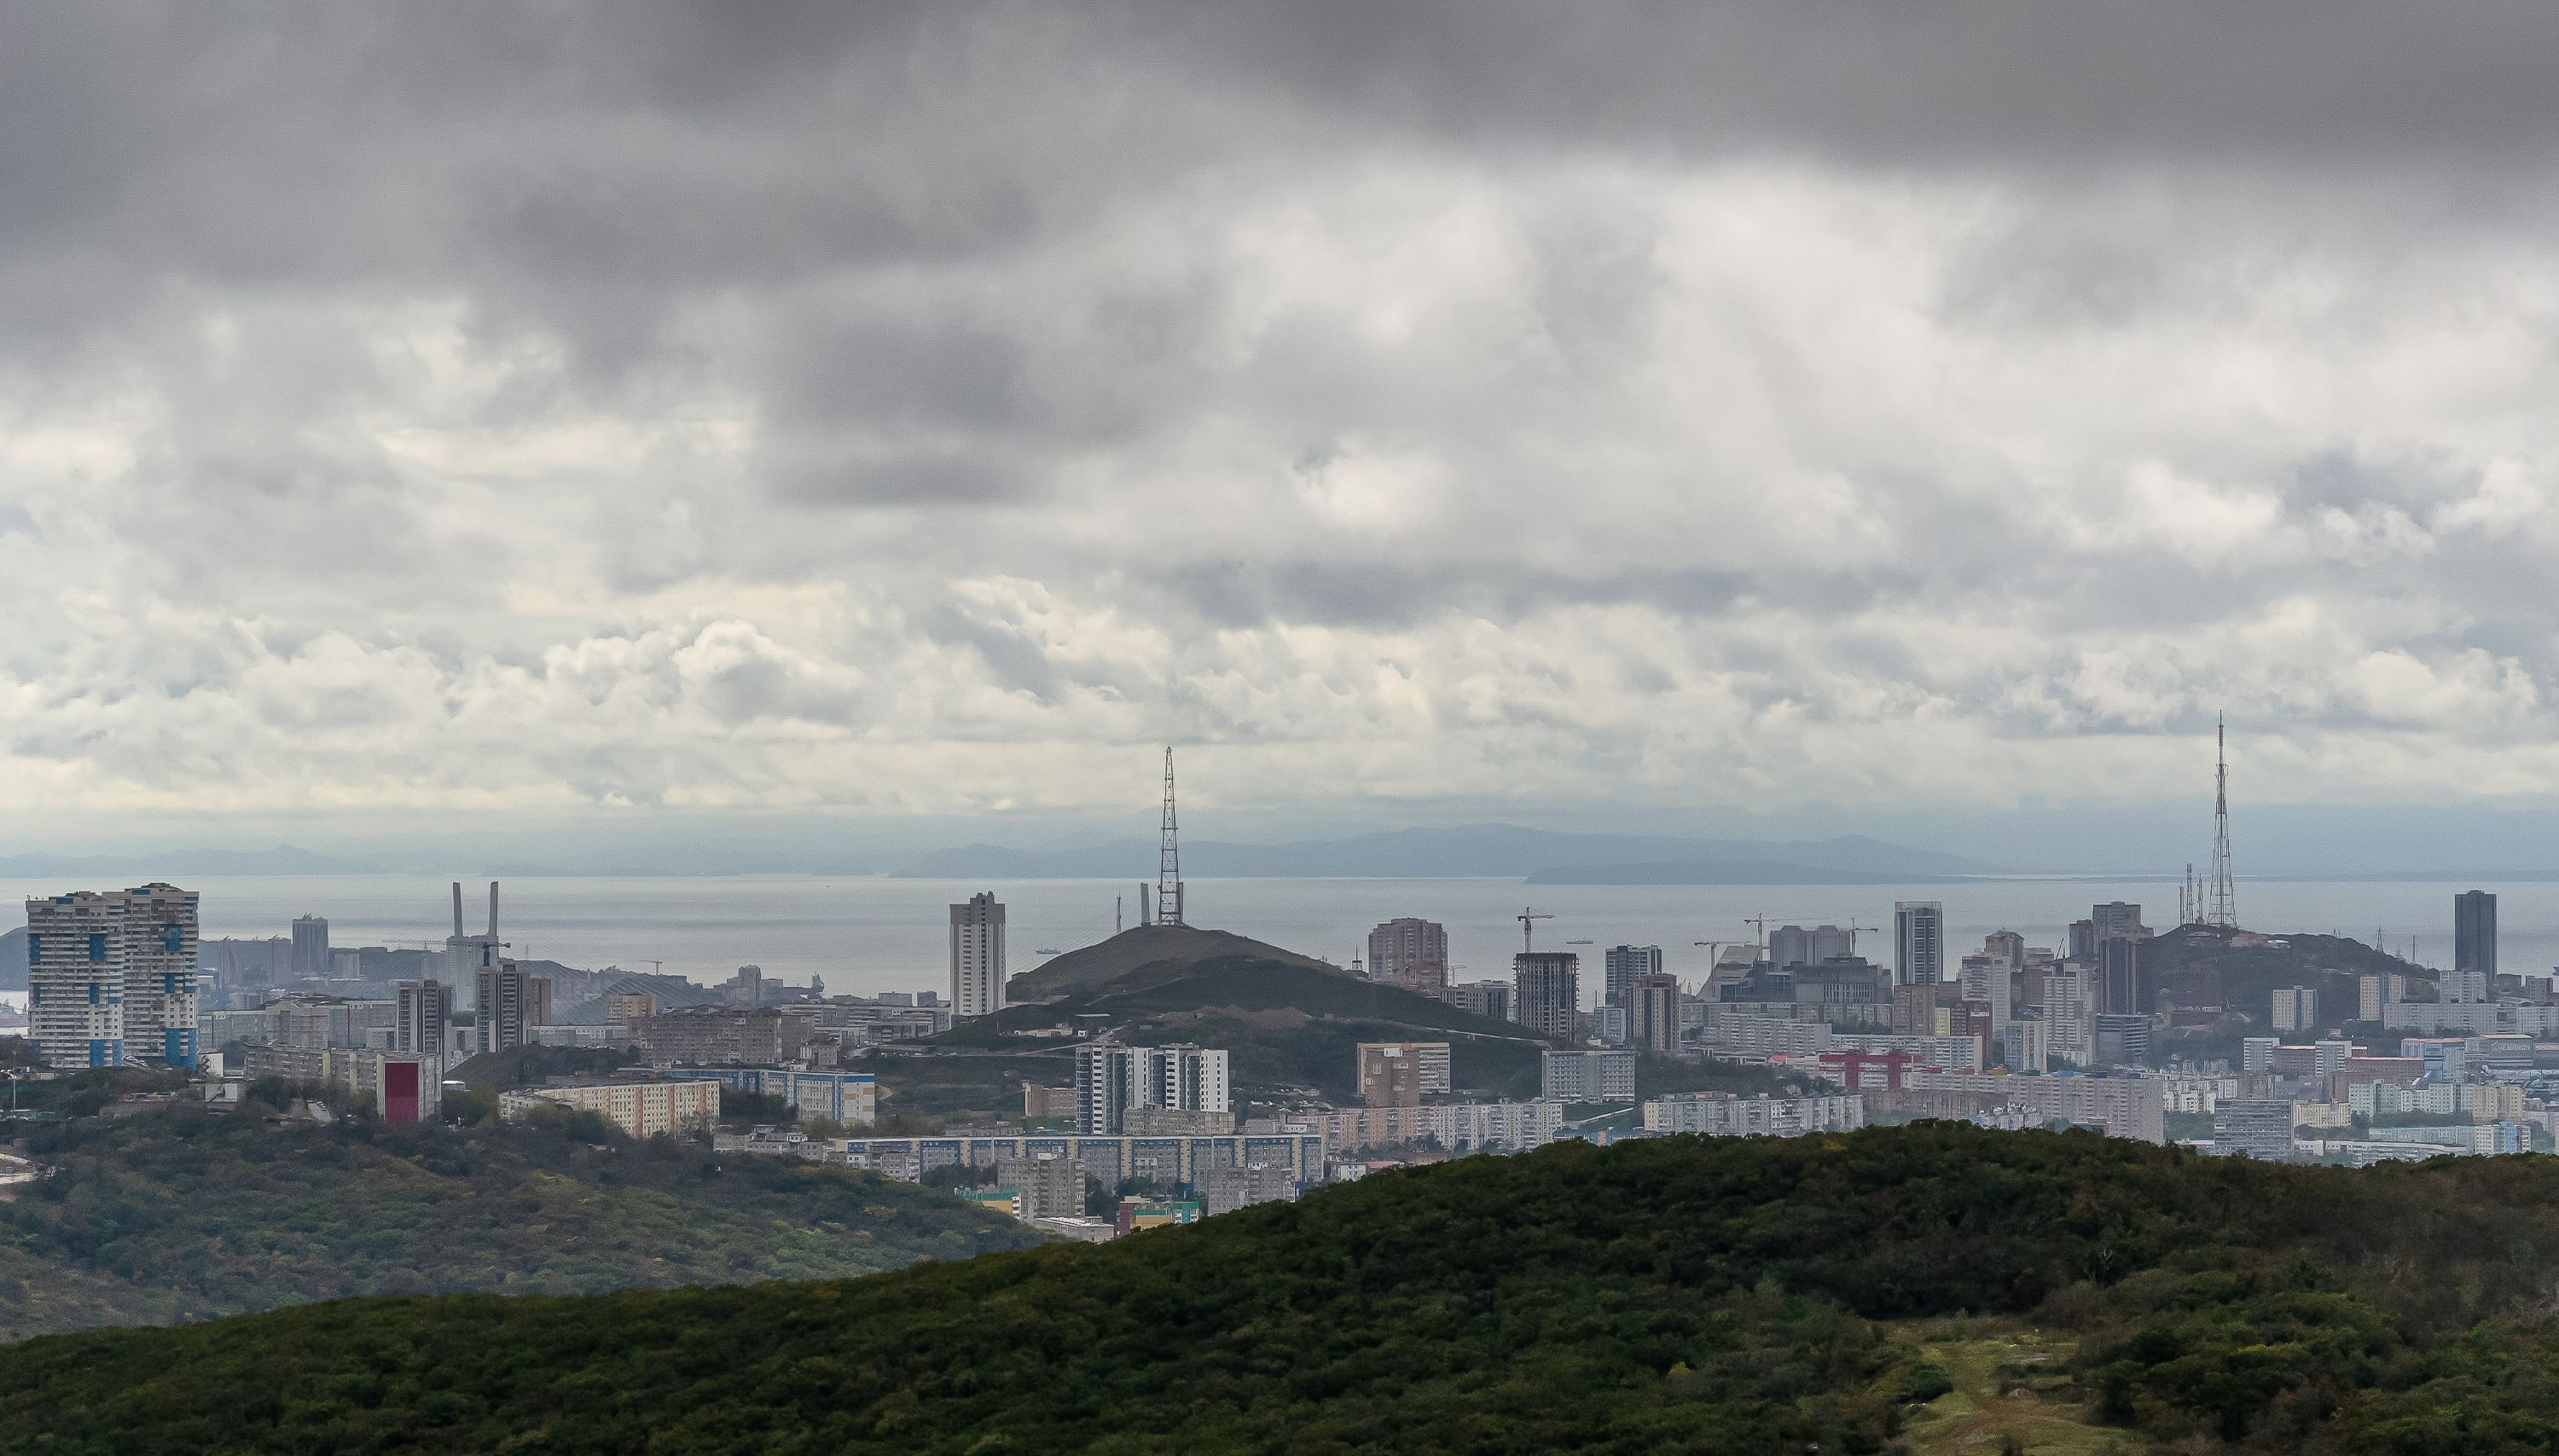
1740, 1295
180, 1214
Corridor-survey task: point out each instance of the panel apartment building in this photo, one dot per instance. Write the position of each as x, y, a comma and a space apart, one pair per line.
112, 977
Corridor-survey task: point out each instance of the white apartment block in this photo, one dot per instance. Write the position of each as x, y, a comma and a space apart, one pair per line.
1110, 1080
1456, 1126
112, 977
638, 1109
2124, 1107
977, 956
1588, 1077
1722, 1114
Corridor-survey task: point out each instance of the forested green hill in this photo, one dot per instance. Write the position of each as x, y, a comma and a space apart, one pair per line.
183, 1215
1743, 1296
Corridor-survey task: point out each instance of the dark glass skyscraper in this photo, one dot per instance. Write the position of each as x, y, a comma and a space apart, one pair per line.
2475, 932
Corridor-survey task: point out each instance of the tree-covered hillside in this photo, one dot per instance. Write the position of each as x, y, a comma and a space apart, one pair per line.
184, 1215
1935, 1285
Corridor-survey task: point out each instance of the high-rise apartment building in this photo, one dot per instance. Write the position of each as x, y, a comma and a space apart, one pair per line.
2475, 932
1626, 965
311, 948
977, 956
1111, 1081
1918, 942
159, 952
1481, 999
2296, 1009
423, 1017
1653, 1014
112, 977
1402, 1073
1832, 943
509, 1001
1411, 954
1985, 980
1548, 991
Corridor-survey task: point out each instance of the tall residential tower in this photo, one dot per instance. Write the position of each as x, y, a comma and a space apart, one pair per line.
977, 956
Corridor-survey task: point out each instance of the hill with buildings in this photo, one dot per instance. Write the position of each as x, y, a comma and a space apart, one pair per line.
1290, 1022
1934, 1288
183, 1215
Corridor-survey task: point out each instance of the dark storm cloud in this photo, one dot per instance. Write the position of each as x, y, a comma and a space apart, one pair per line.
763, 401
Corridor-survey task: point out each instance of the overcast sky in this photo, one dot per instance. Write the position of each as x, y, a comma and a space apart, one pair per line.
612, 414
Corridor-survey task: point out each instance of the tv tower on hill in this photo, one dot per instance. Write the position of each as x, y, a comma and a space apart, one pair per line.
1168, 864
2223, 911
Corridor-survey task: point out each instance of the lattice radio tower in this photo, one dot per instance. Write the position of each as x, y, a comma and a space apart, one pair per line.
2223, 910
1169, 862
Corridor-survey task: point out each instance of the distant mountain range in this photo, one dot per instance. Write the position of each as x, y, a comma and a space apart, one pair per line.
283, 859
1498, 851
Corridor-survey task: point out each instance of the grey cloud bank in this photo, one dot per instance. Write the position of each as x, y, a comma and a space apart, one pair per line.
617, 414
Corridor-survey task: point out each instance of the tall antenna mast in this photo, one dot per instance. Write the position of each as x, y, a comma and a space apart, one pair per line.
2223, 911
1169, 862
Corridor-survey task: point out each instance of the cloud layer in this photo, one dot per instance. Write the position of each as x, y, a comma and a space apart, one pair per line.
910, 413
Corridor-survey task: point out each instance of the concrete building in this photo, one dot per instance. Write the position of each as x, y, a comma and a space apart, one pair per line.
850, 1099
2120, 1107
1588, 1076
510, 999
638, 1109
1165, 1161
1456, 1126
1112, 1080
626, 1008
1491, 999
1050, 1185
2475, 932
2122, 1038
977, 956
112, 977
311, 948
1548, 997
2261, 1127
1625, 965
1401, 1074
1653, 1014
1411, 954
1224, 1190
2116, 920
1722, 1114
726, 1036
1791, 945
2296, 1009
422, 1016
1918, 941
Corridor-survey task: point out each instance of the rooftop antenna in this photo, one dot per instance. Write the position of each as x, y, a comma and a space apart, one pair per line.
1168, 860
2224, 911
1528, 928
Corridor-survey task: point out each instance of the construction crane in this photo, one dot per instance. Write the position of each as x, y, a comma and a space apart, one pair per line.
1852, 935
1528, 928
